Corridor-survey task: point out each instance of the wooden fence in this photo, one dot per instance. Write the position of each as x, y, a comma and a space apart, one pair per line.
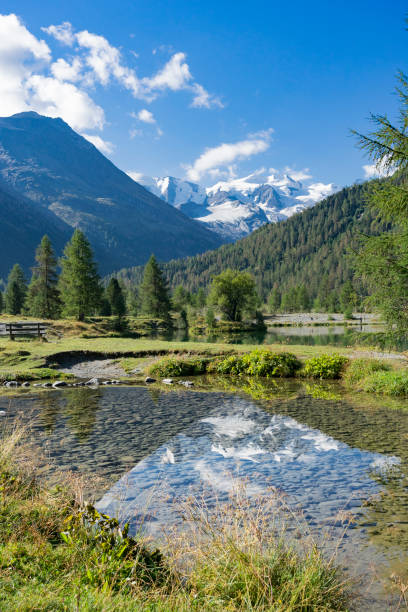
23, 328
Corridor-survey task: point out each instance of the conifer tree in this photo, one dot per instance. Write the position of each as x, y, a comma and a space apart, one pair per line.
274, 300
1, 302
16, 290
116, 298
154, 293
132, 300
43, 299
79, 283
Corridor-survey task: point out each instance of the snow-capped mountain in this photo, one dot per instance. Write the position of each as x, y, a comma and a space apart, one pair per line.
237, 207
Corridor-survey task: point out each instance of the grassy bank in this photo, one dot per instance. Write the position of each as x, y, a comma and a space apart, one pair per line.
33, 359
58, 554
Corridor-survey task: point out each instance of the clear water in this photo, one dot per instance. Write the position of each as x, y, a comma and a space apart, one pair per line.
326, 451
336, 335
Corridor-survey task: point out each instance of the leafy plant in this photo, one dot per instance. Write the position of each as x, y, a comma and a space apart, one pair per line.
259, 362
180, 366
325, 366
114, 558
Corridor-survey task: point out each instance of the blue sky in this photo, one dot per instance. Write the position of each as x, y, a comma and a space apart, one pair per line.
208, 90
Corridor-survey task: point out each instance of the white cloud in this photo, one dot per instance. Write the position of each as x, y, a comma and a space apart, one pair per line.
23, 85
377, 170
146, 116
20, 54
104, 62
65, 71
174, 75
104, 146
298, 175
30, 79
62, 32
317, 191
54, 98
137, 176
226, 154
203, 99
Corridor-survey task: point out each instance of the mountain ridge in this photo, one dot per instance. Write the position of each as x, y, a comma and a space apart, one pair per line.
55, 169
235, 208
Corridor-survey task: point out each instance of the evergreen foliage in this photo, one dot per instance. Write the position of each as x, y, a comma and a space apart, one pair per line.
79, 283
154, 293
43, 299
180, 299
116, 298
1, 302
234, 293
16, 291
382, 260
132, 301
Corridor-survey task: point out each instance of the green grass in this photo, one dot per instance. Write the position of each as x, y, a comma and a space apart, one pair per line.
57, 554
393, 383
33, 359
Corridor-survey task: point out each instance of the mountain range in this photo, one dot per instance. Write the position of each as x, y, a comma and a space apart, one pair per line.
235, 208
52, 180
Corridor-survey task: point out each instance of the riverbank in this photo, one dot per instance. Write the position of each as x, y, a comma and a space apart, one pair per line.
75, 355
57, 553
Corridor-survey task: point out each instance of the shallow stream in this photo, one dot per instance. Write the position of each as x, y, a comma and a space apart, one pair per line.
327, 452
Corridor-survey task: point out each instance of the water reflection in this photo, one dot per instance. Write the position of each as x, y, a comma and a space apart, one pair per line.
80, 407
326, 449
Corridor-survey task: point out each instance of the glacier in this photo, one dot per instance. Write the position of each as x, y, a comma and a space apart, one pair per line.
234, 208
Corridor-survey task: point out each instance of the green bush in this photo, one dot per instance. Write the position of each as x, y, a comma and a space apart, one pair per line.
325, 366
179, 366
259, 362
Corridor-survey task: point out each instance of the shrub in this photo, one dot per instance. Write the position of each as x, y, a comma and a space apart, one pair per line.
180, 366
325, 366
259, 362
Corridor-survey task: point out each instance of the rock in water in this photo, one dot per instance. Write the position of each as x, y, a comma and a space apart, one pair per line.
149, 379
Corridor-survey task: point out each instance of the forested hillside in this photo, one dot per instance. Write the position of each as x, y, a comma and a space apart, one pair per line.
308, 249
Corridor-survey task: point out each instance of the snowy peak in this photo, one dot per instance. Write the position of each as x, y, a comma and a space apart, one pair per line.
236, 207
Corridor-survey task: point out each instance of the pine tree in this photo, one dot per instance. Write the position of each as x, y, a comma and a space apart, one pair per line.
1, 302
132, 300
154, 293
201, 298
79, 283
382, 259
179, 298
274, 300
116, 298
43, 299
16, 290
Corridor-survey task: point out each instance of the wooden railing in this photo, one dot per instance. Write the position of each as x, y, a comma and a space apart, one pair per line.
23, 328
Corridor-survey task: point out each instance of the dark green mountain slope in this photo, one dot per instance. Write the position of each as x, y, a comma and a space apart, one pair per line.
309, 248
58, 171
